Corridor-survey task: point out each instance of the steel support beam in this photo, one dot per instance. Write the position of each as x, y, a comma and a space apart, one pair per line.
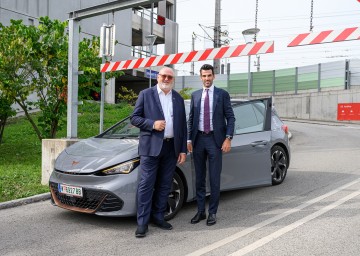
108, 8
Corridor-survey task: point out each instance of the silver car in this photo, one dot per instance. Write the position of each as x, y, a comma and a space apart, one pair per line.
99, 175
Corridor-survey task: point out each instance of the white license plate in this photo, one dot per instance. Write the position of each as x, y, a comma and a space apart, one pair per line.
70, 190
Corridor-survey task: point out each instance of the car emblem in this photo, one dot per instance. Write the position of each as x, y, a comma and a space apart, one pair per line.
74, 163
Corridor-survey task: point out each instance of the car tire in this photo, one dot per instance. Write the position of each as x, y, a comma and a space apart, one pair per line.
279, 165
176, 197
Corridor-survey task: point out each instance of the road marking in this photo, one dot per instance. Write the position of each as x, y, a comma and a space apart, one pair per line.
284, 230
249, 230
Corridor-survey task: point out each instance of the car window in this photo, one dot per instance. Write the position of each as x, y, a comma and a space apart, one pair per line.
249, 117
277, 123
187, 109
187, 106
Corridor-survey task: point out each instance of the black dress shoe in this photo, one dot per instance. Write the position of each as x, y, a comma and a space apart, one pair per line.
163, 225
141, 231
211, 219
199, 216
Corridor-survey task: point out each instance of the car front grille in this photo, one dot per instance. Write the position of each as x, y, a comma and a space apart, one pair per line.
91, 202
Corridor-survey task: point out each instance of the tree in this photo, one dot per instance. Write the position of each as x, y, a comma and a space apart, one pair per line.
17, 57
51, 86
5, 112
127, 95
185, 93
36, 62
50, 82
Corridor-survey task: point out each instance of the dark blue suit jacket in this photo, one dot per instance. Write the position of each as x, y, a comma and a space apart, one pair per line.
223, 116
147, 110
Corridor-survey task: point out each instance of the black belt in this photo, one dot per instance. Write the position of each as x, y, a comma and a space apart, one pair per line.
168, 139
205, 133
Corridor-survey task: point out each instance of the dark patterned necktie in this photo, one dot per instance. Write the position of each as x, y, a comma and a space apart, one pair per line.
207, 112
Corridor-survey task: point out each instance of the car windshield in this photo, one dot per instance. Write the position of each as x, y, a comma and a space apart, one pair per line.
125, 129
121, 130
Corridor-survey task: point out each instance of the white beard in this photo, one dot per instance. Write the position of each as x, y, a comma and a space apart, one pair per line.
166, 86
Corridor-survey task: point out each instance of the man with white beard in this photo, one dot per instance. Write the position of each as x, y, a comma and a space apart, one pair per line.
160, 114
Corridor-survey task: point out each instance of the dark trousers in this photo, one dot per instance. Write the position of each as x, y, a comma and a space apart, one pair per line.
156, 174
205, 149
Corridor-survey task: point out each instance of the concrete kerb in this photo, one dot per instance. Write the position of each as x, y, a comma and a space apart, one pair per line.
38, 198
24, 201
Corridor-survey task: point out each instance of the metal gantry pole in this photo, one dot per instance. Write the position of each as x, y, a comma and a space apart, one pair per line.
151, 32
151, 38
102, 98
217, 34
102, 91
73, 74
248, 33
150, 49
249, 77
193, 36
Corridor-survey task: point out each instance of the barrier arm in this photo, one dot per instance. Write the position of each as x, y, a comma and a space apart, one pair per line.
179, 58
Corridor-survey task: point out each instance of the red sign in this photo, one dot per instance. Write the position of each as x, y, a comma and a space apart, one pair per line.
348, 111
160, 20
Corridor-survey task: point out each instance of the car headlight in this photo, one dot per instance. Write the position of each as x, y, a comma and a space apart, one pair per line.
123, 168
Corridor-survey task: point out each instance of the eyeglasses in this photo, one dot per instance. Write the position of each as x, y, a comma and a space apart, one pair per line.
166, 77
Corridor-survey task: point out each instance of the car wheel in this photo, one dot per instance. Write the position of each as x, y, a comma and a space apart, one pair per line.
176, 197
279, 165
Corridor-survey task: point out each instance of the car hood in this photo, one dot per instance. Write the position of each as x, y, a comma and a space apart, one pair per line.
101, 147
94, 154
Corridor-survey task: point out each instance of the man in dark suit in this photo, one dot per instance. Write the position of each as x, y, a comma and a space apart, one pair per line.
160, 114
210, 130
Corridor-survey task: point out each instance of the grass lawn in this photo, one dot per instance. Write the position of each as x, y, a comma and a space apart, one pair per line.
20, 152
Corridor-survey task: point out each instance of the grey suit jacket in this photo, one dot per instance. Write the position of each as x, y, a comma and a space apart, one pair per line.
223, 116
147, 110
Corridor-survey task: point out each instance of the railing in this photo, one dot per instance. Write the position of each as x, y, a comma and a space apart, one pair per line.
320, 77
292, 80
143, 51
146, 14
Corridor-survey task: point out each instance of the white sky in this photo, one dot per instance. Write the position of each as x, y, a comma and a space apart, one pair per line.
279, 21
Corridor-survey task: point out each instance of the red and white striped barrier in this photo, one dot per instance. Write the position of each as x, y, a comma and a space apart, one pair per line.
178, 58
328, 36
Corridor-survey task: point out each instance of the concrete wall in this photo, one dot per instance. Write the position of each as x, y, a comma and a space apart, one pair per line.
321, 106
51, 148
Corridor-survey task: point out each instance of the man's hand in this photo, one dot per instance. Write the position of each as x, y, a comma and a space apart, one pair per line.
159, 125
189, 147
181, 158
226, 146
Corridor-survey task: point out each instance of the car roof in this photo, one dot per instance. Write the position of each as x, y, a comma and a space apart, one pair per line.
187, 101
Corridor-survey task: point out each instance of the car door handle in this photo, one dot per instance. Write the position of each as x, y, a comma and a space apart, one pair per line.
259, 143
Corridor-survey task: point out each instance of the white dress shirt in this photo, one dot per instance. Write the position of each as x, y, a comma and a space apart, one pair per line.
167, 107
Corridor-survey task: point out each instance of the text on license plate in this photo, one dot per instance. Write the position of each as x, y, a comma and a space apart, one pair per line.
70, 190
